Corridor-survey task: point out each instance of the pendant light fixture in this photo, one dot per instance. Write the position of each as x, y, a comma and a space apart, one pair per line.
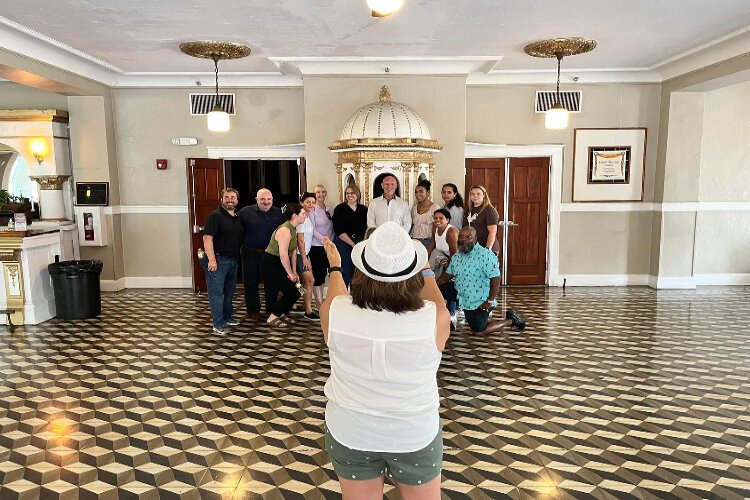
383, 8
218, 117
556, 117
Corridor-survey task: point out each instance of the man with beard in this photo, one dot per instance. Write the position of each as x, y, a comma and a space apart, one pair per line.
222, 238
473, 279
260, 221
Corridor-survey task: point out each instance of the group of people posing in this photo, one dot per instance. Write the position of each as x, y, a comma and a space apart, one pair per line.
385, 325
284, 248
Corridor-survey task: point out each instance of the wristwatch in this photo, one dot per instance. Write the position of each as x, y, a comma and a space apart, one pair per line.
333, 269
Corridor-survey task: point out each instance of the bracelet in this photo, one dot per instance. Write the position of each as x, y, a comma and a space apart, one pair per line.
428, 272
333, 269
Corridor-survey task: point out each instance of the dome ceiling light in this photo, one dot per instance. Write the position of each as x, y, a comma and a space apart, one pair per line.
383, 8
556, 117
218, 118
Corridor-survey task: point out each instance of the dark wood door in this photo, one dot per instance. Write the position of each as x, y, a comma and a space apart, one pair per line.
490, 173
527, 209
205, 182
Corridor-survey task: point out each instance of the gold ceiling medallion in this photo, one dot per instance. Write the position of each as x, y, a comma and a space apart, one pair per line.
560, 47
218, 118
556, 117
211, 49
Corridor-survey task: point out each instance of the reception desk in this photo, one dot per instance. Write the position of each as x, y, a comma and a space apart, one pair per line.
25, 286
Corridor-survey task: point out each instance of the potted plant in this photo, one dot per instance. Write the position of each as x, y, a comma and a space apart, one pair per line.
10, 204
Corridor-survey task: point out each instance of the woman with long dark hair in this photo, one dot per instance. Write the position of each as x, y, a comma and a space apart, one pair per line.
385, 342
304, 266
421, 213
454, 203
280, 268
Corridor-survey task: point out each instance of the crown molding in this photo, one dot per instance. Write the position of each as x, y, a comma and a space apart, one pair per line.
479, 70
391, 66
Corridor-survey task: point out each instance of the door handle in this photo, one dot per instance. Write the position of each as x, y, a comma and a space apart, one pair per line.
197, 229
512, 224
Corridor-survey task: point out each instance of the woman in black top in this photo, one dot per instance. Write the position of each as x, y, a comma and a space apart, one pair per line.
349, 224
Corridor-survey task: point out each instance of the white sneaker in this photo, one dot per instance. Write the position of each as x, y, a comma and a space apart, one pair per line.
221, 331
233, 322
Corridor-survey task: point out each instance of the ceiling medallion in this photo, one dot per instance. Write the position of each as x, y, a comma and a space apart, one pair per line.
211, 49
560, 47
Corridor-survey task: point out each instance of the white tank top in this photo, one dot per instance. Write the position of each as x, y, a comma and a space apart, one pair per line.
382, 392
441, 242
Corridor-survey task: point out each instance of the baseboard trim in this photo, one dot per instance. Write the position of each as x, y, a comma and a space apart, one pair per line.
722, 279
604, 279
146, 282
659, 282
159, 282
112, 285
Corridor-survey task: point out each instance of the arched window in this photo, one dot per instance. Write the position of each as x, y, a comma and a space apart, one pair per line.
20, 183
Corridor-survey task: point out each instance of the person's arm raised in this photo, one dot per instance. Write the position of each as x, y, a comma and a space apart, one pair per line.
431, 292
336, 285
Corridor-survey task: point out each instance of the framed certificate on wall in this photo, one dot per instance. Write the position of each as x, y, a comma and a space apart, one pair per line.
609, 164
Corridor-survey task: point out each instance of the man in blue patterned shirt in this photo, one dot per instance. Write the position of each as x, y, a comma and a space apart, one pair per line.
473, 279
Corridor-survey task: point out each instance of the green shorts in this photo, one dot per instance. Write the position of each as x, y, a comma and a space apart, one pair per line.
413, 468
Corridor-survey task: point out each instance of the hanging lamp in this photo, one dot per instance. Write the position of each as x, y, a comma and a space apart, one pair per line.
556, 117
218, 118
383, 8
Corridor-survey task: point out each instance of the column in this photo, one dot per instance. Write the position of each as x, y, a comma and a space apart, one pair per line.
51, 197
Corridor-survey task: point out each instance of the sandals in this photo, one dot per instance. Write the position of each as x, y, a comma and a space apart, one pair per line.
278, 323
286, 319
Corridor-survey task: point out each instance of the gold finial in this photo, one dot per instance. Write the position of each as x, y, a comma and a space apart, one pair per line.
385, 96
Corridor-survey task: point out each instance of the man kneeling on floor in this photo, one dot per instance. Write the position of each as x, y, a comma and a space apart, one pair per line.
473, 279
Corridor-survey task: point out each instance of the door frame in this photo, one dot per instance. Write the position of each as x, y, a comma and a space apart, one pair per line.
555, 154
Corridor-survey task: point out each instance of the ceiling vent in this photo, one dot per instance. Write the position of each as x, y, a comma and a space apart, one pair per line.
571, 100
202, 104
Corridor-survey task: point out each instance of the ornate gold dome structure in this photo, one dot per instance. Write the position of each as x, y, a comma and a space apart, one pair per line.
384, 137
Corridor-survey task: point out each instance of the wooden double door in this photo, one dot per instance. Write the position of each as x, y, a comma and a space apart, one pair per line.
519, 190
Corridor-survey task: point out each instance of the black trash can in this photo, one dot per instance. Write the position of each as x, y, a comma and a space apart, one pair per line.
77, 291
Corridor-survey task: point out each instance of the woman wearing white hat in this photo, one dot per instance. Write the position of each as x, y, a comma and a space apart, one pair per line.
385, 342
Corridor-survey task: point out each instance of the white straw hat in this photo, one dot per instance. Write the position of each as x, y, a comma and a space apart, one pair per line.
389, 254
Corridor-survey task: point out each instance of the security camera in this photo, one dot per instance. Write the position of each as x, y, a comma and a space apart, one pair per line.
387, 69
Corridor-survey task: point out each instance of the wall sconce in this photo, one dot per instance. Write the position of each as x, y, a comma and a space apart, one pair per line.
38, 149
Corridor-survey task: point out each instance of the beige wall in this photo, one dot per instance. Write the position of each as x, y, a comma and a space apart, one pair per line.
440, 101
605, 242
147, 119
15, 96
156, 245
725, 148
723, 237
505, 115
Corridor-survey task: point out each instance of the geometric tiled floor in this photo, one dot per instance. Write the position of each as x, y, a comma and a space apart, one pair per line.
610, 393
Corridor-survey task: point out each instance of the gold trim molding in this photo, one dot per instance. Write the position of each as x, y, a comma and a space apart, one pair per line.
357, 157
33, 115
399, 142
50, 182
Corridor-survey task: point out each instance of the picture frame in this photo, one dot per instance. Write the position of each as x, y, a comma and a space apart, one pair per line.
609, 164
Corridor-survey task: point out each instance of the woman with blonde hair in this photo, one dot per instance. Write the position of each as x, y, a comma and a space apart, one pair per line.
385, 342
483, 217
322, 222
350, 225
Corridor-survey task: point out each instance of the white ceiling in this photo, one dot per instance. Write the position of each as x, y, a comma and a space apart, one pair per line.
134, 37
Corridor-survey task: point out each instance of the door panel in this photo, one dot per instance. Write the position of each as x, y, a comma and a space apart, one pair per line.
490, 173
205, 182
527, 209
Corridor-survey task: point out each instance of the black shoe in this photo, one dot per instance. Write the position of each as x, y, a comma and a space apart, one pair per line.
517, 319
312, 316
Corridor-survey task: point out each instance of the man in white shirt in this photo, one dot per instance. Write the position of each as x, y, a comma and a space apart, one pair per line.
389, 206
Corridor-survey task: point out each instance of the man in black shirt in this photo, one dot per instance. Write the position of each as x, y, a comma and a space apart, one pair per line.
260, 221
222, 237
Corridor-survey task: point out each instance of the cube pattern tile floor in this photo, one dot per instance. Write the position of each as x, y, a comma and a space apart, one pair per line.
609, 393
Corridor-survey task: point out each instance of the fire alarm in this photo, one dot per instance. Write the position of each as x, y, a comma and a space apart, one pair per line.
161, 164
